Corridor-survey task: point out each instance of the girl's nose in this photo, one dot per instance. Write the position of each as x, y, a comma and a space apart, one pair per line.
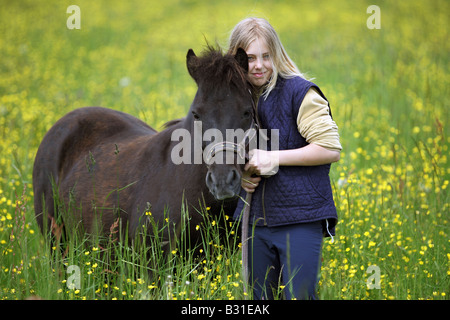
258, 64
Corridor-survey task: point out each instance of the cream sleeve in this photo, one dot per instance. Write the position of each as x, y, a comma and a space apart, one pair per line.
315, 123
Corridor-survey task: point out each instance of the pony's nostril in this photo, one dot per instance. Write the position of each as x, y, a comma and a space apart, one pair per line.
223, 184
209, 180
232, 177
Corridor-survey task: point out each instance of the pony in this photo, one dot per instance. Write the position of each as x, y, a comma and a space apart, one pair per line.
97, 166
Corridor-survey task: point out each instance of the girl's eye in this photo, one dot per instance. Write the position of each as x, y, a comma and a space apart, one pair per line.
250, 59
266, 57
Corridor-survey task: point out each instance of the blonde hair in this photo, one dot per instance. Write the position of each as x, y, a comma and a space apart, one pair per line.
250, 29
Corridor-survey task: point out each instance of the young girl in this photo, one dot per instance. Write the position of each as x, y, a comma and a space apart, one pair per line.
292, 209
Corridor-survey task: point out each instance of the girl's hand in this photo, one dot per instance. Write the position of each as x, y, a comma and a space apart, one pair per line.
263, 163
248, 182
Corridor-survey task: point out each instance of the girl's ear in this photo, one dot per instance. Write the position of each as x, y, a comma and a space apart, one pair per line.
242, 58
191, 63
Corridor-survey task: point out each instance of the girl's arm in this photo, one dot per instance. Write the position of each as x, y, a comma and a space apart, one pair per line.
310, 155
266, 162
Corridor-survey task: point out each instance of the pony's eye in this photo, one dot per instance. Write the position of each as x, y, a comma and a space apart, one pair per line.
246, 115
196, 116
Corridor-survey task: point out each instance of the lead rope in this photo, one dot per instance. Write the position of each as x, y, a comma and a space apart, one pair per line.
332, 239
244, 239
246, 214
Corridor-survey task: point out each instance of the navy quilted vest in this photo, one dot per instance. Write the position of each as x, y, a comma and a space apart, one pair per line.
296, 194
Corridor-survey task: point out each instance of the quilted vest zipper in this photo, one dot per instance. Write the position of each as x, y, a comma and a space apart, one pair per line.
262, 202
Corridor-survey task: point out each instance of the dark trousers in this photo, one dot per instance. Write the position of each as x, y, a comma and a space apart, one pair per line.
285, 260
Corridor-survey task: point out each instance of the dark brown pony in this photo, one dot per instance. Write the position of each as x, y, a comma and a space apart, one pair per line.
96, 165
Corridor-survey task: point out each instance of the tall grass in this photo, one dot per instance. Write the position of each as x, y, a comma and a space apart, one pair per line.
387, 90
80, 267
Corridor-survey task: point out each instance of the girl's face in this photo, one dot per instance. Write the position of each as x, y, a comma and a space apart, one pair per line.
259, 63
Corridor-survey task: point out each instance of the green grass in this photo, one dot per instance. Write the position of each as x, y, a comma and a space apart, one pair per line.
111, 268
388, 91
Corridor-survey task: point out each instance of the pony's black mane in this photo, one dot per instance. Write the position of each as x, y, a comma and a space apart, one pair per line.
215, 70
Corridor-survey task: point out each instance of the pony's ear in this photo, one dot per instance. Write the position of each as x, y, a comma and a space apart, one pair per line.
242, 58
191, 63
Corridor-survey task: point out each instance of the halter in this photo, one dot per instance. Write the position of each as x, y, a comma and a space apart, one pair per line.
238, 148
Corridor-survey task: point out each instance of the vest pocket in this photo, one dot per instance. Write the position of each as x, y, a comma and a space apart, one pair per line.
320, 182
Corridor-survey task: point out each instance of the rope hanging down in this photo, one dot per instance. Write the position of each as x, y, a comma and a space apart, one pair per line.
244, 239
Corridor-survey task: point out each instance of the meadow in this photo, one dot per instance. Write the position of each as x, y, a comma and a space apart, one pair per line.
387, 88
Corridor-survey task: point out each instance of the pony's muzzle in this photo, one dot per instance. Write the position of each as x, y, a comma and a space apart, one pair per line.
223, 184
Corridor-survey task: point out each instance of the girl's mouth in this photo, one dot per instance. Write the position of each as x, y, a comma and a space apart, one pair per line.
259, 74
